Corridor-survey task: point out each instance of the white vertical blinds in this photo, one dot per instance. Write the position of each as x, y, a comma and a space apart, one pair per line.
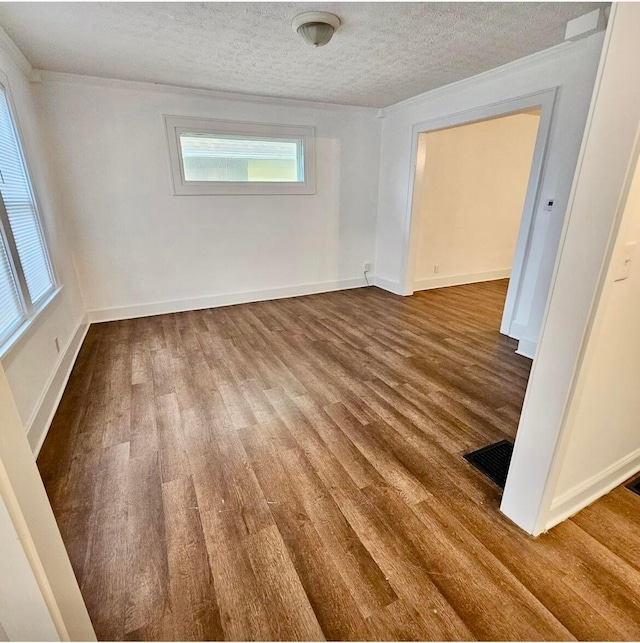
11, 311
24, 264
21, 210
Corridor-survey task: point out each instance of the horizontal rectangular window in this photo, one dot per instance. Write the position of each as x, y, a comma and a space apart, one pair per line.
26, 277
213, 157
227, 157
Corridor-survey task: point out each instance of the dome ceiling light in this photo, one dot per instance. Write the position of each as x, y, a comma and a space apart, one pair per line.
316, 28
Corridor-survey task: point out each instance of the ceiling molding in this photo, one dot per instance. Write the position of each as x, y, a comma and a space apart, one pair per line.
11, 49
507, 68
135, 85
384, 53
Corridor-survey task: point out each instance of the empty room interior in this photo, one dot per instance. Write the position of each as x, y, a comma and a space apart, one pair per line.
319, 321
470, 189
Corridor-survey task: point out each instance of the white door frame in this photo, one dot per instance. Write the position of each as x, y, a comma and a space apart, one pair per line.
38, 573
546, 101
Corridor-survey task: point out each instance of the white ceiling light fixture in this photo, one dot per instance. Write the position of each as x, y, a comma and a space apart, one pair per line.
316, 28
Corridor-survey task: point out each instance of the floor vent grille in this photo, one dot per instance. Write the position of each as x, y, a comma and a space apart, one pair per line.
493, 461
634, 485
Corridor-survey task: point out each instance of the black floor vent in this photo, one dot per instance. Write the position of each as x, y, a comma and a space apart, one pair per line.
634, 485
493, 461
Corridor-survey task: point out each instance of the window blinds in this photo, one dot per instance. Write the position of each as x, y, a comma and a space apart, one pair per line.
11, 311
28, 264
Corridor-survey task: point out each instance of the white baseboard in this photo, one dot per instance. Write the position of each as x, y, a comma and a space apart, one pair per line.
527, 348
214, 301
391, 286
572, 501
461, 280
38, 424
516, 330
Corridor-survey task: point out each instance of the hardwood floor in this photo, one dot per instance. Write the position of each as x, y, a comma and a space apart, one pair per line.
292, 470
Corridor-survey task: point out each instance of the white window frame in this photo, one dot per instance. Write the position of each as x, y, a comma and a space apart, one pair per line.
176, 125
31, 310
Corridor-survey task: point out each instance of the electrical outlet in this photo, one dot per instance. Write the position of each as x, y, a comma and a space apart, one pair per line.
367, 267
55, 341
623, 269
436, 269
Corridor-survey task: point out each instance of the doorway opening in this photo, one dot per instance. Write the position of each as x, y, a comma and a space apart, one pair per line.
454, 237
475, 193
470, 189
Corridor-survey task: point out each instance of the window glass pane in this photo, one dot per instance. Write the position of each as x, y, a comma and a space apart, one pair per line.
11, 313
21, 210
212, 157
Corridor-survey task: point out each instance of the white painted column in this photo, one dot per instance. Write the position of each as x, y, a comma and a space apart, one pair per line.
592, 215
39, 595
24, 615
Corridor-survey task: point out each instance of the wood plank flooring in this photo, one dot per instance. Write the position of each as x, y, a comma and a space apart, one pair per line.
292, 470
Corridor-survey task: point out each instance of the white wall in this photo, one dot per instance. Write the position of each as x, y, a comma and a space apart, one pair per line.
546, 434
571, 67
139, 249
604, 415
469, 207
24, 615
34, 368
49, 591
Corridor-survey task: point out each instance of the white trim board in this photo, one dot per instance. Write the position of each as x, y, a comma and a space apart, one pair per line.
527, 348
13, 51
388, 285
377, 112
135, 85
39, 423
546, 100
517, 330
461, 280
304, 135
37, 426
507, 68
13, 343
149, 309
581, 495
544, 431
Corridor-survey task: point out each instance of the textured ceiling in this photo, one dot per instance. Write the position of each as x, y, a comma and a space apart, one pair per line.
383, 52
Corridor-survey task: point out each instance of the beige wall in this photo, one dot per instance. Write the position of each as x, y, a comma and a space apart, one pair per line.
470, 200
